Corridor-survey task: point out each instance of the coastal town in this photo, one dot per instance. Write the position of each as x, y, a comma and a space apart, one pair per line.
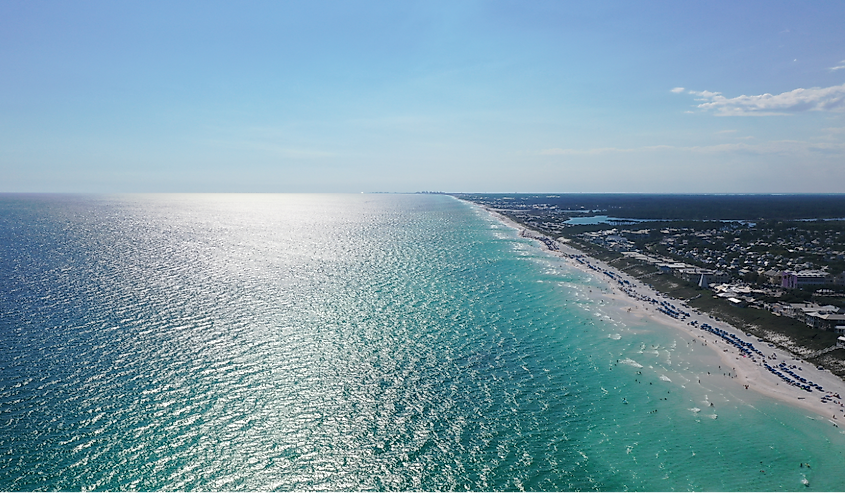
781, 279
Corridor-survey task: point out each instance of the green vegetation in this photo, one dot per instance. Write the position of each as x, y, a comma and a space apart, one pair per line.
760, 323
676, 207
770, 239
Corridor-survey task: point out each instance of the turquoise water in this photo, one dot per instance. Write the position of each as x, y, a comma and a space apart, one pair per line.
351, 342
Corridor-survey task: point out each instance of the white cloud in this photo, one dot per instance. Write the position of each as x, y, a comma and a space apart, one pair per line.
705, 95
798, 100
838, 67
678, 90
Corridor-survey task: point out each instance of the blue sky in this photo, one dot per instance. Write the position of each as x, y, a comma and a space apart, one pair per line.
723, 97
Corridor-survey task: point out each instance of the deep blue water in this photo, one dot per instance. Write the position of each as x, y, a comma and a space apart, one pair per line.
349, 342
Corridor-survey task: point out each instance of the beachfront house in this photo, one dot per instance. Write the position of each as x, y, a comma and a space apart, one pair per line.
671, 267
703, 277
825, 321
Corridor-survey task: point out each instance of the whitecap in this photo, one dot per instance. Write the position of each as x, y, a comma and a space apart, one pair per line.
665, 378
694, 409
629, 361
615, 337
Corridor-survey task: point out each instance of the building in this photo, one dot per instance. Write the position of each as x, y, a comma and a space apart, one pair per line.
825, 321
804, 311
670, 267
637, 235
793, 280
703, 277
774, 277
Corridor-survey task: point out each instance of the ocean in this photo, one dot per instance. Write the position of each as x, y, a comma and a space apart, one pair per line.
352, 342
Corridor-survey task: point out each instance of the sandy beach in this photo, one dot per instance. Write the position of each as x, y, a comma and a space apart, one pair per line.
632, 298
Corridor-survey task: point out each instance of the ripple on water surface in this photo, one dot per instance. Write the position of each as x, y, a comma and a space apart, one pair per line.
257, 342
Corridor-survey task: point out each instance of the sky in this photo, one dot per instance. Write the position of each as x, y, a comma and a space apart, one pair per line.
456, 96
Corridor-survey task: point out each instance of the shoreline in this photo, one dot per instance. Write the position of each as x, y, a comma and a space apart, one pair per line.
745, 354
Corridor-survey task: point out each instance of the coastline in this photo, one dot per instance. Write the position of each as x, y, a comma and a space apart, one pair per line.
632, 298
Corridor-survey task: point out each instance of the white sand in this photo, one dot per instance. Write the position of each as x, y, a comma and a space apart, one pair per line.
748, 372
